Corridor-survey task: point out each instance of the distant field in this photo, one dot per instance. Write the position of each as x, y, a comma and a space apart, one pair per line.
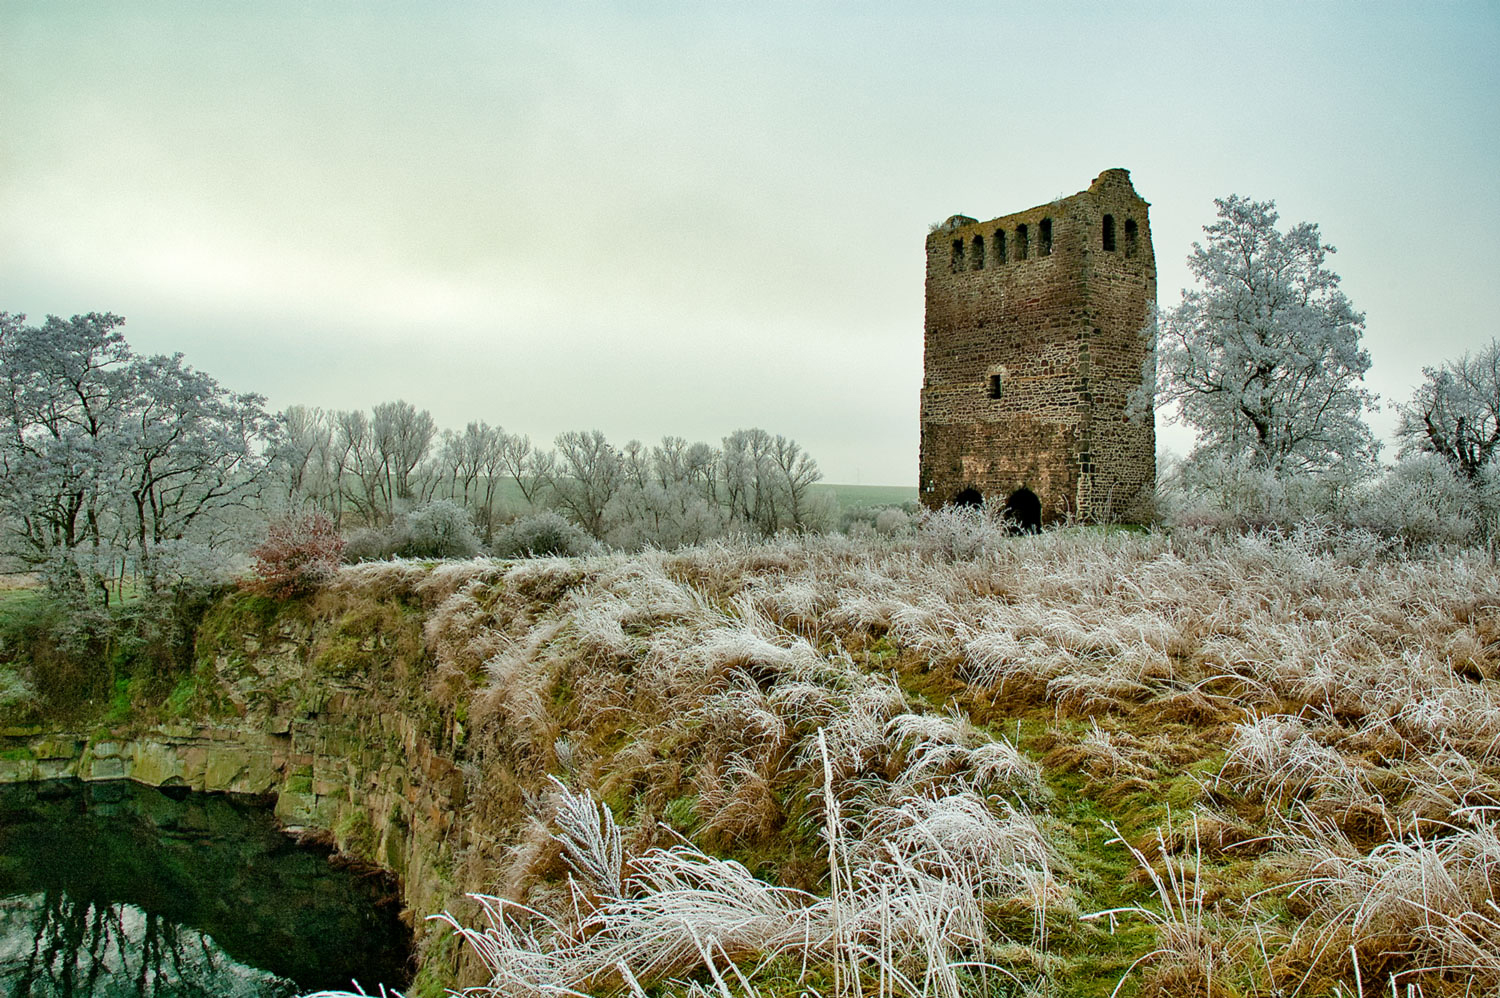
865, 496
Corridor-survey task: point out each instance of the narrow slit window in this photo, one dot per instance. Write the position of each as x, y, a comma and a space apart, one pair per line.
1023, 242
958, 255
1130, 234
999, 241
994, 386
1044, 238
978, 255
1109, 233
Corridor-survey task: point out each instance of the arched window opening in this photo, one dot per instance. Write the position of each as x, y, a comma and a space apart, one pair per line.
999, 240
1023, 511
1109, 233
994, 386
1130, 233
978, 258
1023, 242
1044, 238
970, 498
958, 256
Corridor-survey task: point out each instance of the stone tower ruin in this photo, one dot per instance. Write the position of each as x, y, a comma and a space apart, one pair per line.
1034, 342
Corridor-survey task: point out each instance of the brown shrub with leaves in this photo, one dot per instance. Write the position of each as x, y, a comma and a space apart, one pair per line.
301, 551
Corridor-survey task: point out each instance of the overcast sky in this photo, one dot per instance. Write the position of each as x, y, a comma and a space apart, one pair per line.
653, 218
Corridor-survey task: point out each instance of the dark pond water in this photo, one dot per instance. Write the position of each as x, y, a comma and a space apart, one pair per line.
109, 890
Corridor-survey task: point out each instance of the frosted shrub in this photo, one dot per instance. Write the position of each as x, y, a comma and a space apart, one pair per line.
541, 535
15, 689
1487, 502
651, 515
958, 533
1420, 501
892, 522
373, 544
1236, 494
440, 529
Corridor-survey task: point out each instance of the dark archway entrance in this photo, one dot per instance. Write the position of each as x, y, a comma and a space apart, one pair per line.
1023, 510
970, 498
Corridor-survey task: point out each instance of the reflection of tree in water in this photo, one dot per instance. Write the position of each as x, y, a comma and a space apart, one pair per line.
84, 949
121, 890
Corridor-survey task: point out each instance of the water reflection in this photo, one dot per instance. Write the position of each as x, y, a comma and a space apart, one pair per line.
52, 946
120, 890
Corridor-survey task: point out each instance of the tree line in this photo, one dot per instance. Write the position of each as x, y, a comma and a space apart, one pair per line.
368, 469
128, 469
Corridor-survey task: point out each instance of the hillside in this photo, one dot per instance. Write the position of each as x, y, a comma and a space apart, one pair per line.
1209, 765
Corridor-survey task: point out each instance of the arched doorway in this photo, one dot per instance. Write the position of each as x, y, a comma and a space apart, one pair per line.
969, 498
1023, 510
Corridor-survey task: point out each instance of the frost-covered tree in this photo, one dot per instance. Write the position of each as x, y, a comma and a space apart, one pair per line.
525, 466
67, 388
767, 482
794, 473
1263, 357
1455, 412
585, 477
302, 460
109, 457
664, 501
403, 437
190, 453
379, 460
357, 469
472, 464
745, 470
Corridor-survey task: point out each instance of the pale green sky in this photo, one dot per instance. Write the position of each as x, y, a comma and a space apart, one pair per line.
653, 218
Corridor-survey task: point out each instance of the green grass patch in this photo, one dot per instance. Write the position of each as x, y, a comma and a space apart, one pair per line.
867, 496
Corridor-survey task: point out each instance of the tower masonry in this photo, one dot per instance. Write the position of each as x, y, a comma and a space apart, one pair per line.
1035, 340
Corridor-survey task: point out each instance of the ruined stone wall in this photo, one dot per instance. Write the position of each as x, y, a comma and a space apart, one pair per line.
1036, 300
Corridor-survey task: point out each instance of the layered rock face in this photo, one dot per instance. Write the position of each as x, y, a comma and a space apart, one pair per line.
322, 707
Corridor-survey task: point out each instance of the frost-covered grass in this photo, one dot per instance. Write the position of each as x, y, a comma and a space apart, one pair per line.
897, 764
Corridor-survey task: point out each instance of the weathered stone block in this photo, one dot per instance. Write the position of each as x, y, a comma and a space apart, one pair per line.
56, 769
18, 770
156, 763
260, 775
108, 768
294, 808
222, 767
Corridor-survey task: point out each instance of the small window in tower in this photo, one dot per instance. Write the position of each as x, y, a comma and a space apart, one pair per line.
1023, 242
994, 386
1044, 238
978, 258
1130, 237
999, 240
1109, 233
958, 256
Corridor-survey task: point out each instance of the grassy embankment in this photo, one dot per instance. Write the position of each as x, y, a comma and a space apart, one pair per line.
1255, 766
